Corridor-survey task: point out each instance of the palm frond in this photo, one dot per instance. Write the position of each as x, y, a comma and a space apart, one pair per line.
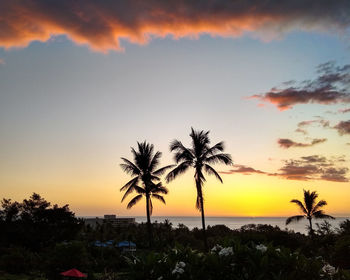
131, 182
155, 178
200, 142
220, 158
300, 204
294, 219
310, 200
134, 201
162, 170
130, 167
140, 190
155, 161
319, 205
128, 191
186, 155
177, 146
219, 147
211, 171
180, 169
159, 197
143, 157
321, 215
160, 189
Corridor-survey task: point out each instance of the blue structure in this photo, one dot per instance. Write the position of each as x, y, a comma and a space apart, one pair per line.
108, 243
127, 246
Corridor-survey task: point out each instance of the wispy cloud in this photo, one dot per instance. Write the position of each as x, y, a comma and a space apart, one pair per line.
2, 61
102, 24
288, 143
345, 110
246, 170
330, 87
343, 127
306, 168
304, 124
313, 168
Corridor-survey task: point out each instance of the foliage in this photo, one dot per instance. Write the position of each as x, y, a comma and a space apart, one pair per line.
64, 256
18, 259
35, 224
236, 261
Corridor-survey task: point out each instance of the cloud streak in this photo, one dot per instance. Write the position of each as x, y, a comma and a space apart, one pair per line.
332, 86
103, 24
242, 169
306, 168
343, 127
288, 143
313, 168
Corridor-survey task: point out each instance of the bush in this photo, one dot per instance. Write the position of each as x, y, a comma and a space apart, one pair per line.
18, 260
237, 261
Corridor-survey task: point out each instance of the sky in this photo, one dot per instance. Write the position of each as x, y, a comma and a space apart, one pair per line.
82, 81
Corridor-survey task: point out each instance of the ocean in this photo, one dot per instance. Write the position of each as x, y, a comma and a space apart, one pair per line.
238, 222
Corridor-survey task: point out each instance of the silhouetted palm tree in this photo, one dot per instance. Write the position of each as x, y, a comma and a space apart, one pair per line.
144, 171
310, 209
199, 157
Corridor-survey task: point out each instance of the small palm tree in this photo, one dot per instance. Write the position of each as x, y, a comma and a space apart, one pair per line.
310, 209
143, 169
199, 157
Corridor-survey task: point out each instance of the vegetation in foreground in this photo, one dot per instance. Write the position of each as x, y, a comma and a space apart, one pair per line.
38, 241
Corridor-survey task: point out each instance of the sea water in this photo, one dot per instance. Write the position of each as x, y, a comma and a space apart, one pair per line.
238, 222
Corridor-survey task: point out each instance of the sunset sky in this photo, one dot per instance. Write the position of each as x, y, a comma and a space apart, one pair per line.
82, 81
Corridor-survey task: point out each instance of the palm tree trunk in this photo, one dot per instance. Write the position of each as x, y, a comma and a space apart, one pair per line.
203, 225
311, 229
149, 225
201, 202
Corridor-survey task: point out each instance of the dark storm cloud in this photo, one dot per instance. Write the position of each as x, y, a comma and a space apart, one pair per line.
102, 24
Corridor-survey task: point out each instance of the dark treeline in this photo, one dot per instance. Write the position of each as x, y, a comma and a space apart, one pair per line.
38, 238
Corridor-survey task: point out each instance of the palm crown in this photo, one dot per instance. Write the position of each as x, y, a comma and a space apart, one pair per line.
199, 156
144, 171
310, 209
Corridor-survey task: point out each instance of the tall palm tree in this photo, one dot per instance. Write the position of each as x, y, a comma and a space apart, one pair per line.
199, 157
310, 209
145, 182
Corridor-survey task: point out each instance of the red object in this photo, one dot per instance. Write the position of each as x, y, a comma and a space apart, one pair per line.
73, 273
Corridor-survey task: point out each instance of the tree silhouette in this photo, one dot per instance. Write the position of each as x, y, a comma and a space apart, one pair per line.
199, 157
310, 209
143, 169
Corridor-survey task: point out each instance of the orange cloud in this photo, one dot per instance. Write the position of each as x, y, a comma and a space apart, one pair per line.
103, 24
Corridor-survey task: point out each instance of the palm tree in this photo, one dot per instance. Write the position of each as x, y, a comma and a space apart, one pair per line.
143, 169
310, 209
199, 157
